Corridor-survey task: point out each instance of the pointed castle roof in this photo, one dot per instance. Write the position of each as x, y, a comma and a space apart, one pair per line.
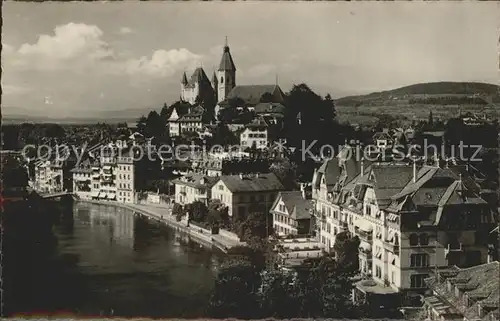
184, 80
226, 63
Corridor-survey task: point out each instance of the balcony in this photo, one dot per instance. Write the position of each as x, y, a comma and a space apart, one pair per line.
391, 247
453, 248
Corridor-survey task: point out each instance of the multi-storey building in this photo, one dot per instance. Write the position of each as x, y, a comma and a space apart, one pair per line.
255, 135
125, 176
245, 193
292, 213
193, 187
464, 294
410, 220
82, 180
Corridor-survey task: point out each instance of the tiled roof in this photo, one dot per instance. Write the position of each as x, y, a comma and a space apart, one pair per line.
262, 182
195, 180
480, 284
267, 108
296, 205
251, 94
388, 180
330, 170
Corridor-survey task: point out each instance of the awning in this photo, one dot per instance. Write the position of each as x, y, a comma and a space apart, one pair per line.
104, 195
365, 246
111, 196
100, 194
106, 168
363, 225
95, 194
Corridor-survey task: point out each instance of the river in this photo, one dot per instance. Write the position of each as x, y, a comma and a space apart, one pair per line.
110, 262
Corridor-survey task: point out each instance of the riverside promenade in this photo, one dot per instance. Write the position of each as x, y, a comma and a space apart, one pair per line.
164, 214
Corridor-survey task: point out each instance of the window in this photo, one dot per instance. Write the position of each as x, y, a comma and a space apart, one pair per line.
282, 208
413, 239
378, 271
335, 215
221, 187
368, 209
419, 260
424, 239
417, 280
393, 277
221, 80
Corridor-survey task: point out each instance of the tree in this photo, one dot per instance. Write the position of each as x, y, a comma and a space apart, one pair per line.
431, 119
54, 131
165, 112
235, 292
155, 125
141, 125
286, 171
223, 136
346, 252
329, 108
253, 228
278, 295
197, 212
178, 211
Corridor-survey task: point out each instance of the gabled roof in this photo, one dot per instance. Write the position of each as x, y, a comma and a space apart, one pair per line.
226, 62
251, 94
297, 207
191, 117
330, 170
196, 180
260, 183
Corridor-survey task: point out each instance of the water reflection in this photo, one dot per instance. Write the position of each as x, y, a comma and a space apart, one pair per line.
130, 266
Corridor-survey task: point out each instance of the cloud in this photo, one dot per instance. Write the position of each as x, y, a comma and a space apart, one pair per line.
260, 70
125, 30
70, 42
163, 62
8, 89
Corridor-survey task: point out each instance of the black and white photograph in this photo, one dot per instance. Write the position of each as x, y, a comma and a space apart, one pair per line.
250, 160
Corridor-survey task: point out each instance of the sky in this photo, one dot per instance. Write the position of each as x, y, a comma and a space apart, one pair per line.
76, 59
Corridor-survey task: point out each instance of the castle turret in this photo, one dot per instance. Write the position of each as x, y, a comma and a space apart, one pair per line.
215, 83
226, 74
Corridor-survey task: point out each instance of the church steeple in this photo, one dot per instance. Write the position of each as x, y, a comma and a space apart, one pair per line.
226, 74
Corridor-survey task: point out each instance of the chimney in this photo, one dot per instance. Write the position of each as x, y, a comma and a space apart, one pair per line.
362, 166
414, 171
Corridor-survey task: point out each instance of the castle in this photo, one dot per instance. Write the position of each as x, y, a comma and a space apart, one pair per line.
199, 86
223, 87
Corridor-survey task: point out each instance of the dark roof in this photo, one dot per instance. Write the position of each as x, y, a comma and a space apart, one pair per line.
192, 117
298, 208
267, 108
199, 77
330, 170
196, 180
251, 94
184, 80
481, 283
226, 62
260, 183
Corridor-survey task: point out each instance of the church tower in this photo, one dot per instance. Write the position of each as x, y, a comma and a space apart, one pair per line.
226, 74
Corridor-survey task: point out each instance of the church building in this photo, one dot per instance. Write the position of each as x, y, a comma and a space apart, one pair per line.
223, 87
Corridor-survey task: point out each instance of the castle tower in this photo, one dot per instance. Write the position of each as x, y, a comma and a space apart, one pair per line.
226, 74
215, 83
184, 83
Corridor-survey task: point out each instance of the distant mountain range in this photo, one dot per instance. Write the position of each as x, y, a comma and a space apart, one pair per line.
391, 97
435, 88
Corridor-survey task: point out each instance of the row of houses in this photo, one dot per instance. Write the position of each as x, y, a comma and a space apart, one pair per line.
411, 219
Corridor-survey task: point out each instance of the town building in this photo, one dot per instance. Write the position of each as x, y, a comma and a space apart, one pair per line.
410, 219
245, 193
292, 214
193, 187
82, 180
255, 135
464, 294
